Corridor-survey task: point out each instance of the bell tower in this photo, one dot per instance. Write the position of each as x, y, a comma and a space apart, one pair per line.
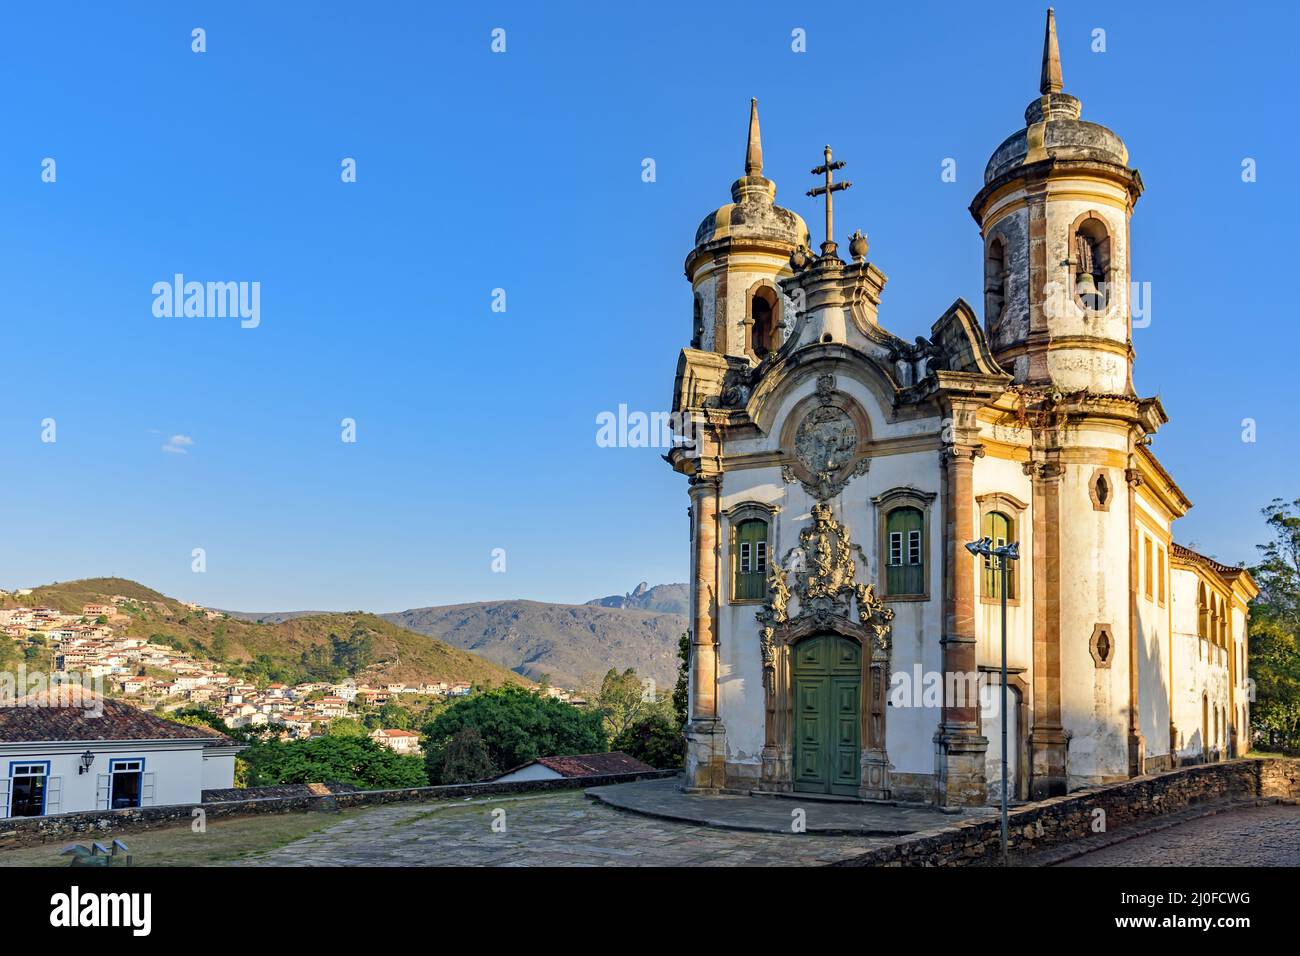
741, 252
1054, 215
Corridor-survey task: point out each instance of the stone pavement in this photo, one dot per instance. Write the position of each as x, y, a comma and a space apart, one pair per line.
563, 828
1245, 836
573, 828
771, 814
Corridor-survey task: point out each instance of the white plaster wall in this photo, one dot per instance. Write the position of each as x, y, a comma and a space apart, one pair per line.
218, 771
178, 775
1199, 669
917, 626
534, 771
1153, 656
1094, 590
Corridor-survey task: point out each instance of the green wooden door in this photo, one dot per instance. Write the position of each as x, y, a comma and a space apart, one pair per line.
827, 715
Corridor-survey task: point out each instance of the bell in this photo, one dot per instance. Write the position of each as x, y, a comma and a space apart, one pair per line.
1084, 286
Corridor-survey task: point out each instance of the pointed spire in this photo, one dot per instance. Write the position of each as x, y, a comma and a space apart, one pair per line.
754, 147
1050, 81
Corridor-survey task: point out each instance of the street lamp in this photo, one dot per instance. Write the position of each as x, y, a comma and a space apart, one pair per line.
86, 760
1006, 553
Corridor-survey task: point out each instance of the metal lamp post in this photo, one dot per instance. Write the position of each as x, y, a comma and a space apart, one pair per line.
983, 549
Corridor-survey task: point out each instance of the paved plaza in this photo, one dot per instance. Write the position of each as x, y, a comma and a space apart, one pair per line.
554, 829
629, 825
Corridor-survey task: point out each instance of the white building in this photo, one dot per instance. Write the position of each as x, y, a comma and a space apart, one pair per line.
398, 741
68, 750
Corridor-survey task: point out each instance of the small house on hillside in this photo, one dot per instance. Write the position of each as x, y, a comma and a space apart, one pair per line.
67, 750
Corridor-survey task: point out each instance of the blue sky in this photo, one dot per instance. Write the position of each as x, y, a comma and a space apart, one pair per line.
476, 429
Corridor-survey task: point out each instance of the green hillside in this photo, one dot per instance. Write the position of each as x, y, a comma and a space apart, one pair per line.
319, 646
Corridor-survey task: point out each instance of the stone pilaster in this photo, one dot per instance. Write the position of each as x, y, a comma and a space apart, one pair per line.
705, 735
1047, 740
959, 745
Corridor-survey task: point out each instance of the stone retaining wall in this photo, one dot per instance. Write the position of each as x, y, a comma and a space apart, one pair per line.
1076, 815
26, 831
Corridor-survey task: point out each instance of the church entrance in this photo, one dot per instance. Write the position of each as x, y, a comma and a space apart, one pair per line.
827, 683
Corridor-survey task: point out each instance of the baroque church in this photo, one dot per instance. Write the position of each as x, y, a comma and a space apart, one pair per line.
844, 641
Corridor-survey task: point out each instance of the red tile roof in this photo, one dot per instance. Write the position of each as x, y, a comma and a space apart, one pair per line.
73, 713
590, 765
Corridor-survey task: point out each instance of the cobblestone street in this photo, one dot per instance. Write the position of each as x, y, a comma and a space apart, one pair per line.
563, 829
1251, 836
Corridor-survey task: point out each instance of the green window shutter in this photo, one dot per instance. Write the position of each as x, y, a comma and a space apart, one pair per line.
750, 560
905, 561
998, 527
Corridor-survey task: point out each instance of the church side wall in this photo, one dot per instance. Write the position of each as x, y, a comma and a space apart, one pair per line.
1094, 590
1200, 674
1154, 622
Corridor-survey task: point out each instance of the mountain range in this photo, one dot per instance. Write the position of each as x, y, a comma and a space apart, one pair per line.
488, 642
282, 646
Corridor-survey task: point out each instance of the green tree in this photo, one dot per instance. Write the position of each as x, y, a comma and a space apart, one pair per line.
393, 716
516, 726
681, 690
656, 740
1275, 627
624, 700
466, 758
358, 761
346, 727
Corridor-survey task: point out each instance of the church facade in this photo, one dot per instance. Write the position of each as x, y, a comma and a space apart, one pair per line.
844, 641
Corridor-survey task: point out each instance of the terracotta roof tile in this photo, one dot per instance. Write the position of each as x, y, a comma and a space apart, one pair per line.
590, 765
73, 713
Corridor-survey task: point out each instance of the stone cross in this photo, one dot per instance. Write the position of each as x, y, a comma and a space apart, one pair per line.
828, 247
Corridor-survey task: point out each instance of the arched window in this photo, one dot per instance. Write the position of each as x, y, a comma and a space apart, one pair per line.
999, 527
750, 560
697, 324
1205, 724
905, 560
1090, 263
763, 333
1202, 613
995, 283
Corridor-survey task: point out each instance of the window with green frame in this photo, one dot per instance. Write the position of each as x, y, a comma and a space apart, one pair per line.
750, 560
998, 527
905, 560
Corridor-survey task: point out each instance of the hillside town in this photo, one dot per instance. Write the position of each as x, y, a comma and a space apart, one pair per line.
156, 677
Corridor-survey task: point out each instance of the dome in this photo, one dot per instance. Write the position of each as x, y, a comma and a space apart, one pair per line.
1052, 124
753, 213
754, 217
1065, 137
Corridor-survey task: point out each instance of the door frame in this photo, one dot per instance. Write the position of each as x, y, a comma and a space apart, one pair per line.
777, 774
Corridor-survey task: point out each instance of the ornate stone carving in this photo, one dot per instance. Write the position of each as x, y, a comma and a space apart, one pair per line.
824, 446
826, 586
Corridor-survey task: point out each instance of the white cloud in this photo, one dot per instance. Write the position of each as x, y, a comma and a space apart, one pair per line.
178, 444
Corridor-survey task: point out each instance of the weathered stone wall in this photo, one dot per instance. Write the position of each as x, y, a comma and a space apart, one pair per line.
1064, 819
1280, 779
25, 831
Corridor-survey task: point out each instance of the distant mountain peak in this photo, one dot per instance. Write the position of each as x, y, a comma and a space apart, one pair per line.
662, 598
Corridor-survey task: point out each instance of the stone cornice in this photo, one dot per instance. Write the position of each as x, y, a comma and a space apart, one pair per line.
1036, 173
